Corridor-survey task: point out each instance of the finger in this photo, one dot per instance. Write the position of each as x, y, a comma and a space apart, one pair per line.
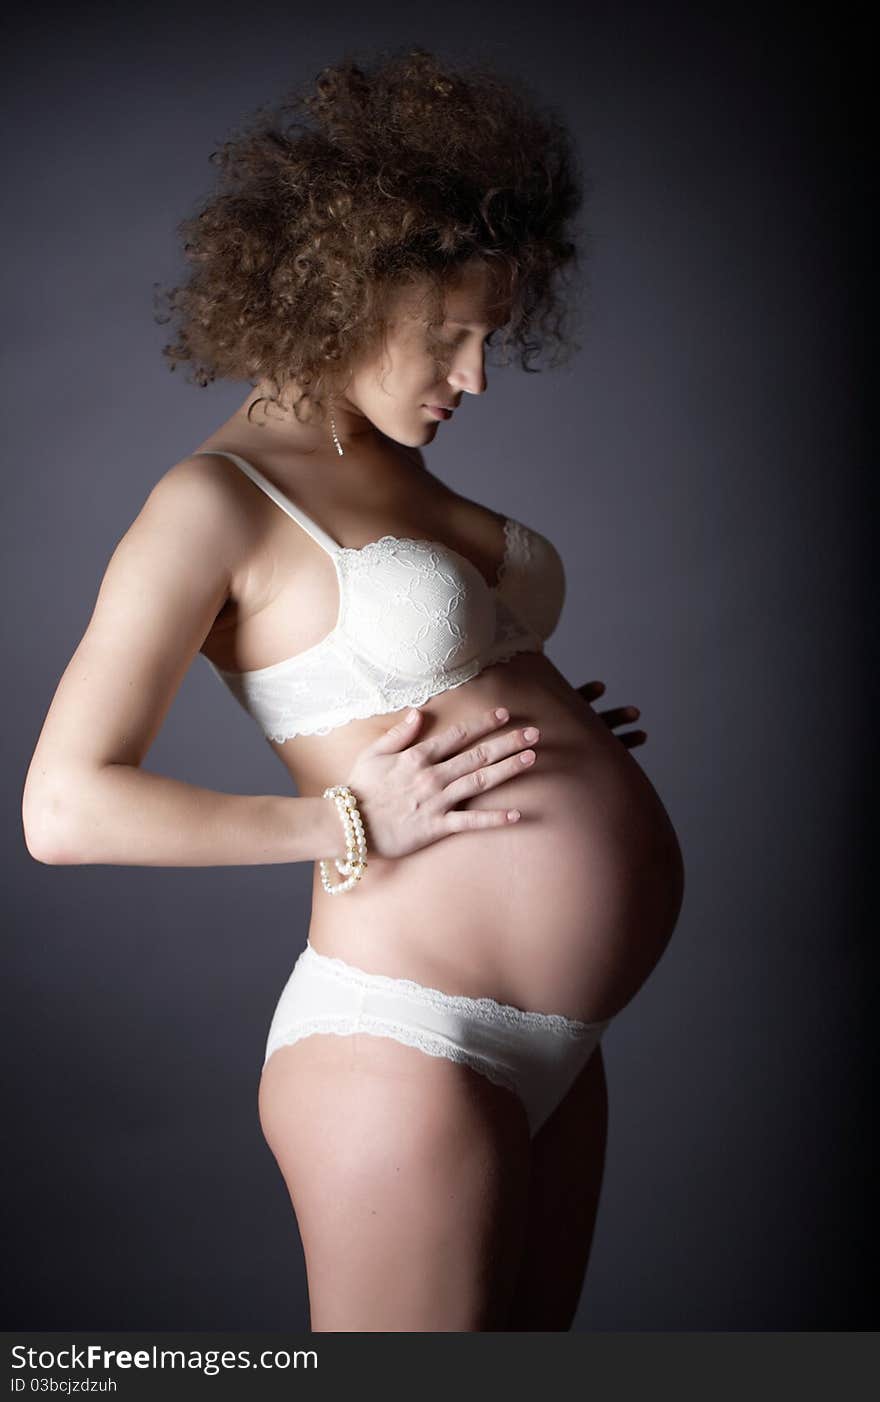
619, 715
485, 753
399, 735
480, 780
456, 737
632, 738
463, 819
590, 690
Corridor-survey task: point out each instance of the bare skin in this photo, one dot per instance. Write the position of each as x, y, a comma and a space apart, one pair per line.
421, 1201
567, 911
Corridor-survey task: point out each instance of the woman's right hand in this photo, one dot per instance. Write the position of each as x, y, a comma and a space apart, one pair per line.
407, 792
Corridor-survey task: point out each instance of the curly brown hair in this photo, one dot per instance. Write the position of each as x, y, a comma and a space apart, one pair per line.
409, 168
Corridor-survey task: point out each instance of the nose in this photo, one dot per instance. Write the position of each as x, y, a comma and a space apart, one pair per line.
469, 373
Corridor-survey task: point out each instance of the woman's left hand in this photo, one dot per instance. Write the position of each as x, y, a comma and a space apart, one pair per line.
616, 716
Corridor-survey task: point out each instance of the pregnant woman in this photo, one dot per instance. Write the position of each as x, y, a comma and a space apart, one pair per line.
495, 877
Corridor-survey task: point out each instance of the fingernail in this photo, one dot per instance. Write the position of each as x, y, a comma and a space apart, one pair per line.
501, 713
411, 715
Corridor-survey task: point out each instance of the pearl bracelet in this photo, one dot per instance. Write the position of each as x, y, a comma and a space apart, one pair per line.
355, 864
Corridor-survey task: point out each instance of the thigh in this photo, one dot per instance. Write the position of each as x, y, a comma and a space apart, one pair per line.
568, 1158
408, 1175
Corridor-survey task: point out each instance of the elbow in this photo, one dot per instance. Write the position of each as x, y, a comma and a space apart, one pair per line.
50, 855
47, 835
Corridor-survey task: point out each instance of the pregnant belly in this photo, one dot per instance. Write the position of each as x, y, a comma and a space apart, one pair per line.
567, 910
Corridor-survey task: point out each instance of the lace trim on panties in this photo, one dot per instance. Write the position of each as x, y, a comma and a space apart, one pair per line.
487, 1008
379, 1027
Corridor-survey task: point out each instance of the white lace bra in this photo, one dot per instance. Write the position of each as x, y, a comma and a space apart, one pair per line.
415, 618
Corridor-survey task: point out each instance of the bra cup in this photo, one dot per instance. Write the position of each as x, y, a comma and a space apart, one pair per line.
536, 591
409, 607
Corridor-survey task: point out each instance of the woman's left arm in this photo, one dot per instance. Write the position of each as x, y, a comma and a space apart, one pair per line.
616, 716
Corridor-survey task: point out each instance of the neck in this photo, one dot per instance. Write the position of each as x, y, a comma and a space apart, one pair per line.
352, 427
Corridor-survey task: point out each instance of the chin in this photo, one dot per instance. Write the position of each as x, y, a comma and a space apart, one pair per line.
414, 438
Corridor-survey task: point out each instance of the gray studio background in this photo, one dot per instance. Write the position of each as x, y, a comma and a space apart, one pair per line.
696, 466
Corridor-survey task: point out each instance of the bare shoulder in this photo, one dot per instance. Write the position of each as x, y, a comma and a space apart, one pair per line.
207, 479
207, 488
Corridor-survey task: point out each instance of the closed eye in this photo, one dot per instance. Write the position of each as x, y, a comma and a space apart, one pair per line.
486, 339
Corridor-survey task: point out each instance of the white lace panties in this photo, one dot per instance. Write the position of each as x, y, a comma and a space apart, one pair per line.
536, 1055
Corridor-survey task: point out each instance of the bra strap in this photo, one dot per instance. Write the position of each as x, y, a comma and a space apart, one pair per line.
295, 512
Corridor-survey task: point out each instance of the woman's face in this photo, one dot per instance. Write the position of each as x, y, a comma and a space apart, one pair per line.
393, 391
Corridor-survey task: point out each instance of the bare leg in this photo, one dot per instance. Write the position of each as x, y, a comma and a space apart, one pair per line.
408, 1175
568, 1159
